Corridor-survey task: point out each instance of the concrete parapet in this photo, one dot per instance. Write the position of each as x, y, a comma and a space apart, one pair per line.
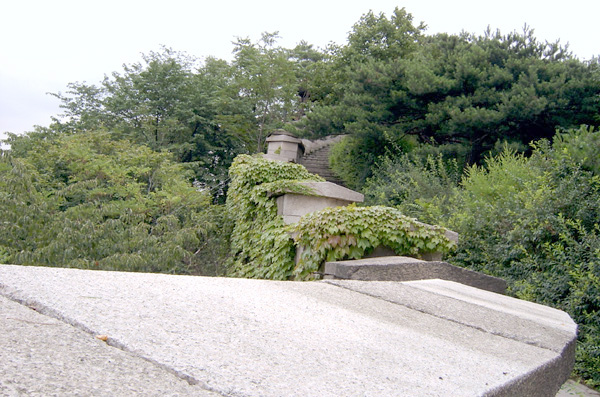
259, 337
550, 330
402, 268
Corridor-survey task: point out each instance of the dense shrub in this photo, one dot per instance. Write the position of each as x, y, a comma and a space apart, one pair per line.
350, 162
419, 183
351, 159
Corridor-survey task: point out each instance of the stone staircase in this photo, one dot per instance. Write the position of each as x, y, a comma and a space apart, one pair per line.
317, 162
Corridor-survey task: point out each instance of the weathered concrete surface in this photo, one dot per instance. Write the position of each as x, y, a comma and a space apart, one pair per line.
255, 337
42, 356
521, 321
403, 268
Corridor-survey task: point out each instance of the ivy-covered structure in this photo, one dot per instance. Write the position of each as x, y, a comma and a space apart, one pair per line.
267, 243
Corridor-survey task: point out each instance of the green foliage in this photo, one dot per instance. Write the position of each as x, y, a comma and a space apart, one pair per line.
468, 90
311, 75
90, 202
204, 114
353, 157
421, 184
350, 162
260, 245
481, 89
377, 37
353, 232
265, 78
581, 146
163, 104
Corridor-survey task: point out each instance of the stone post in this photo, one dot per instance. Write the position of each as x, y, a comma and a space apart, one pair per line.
284, 146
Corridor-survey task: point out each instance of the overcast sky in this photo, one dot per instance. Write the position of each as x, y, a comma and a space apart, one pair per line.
45, 44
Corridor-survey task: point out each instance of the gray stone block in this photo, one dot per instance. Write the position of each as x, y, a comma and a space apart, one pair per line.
267, 338
513, 319
402, 268
292, 206
284, 147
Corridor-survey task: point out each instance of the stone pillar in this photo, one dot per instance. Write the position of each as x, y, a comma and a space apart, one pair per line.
284, 146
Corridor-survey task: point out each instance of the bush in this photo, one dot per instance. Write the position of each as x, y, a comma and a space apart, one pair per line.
352, 158
349, 163
419, 183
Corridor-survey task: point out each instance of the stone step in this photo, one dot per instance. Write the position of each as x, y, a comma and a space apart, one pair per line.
314, 160
320, 170
317, 162
316, 165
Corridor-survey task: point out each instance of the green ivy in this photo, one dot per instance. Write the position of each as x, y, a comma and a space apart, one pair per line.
260, 245
352, 232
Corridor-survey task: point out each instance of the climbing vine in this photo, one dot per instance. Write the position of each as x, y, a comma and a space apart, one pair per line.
352, 232
262, 246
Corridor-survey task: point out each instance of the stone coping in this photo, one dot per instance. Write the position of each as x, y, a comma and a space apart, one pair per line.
403, 268
284, 138
328, 190
272, 338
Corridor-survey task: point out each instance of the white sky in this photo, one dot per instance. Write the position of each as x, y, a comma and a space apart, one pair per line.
45, 44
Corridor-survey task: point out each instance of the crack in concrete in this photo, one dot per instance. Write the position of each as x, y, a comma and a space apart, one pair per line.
13, 295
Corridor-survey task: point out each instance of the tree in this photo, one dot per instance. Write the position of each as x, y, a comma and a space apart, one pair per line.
162, 103
150, 102
83, 107
308, 63
469, 90
362, 76
265, 79
88, 201
478, 90
375, 37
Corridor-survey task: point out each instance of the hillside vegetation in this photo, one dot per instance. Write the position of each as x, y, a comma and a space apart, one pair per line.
490, 135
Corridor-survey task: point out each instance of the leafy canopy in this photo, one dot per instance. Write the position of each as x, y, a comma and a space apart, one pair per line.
88, 201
